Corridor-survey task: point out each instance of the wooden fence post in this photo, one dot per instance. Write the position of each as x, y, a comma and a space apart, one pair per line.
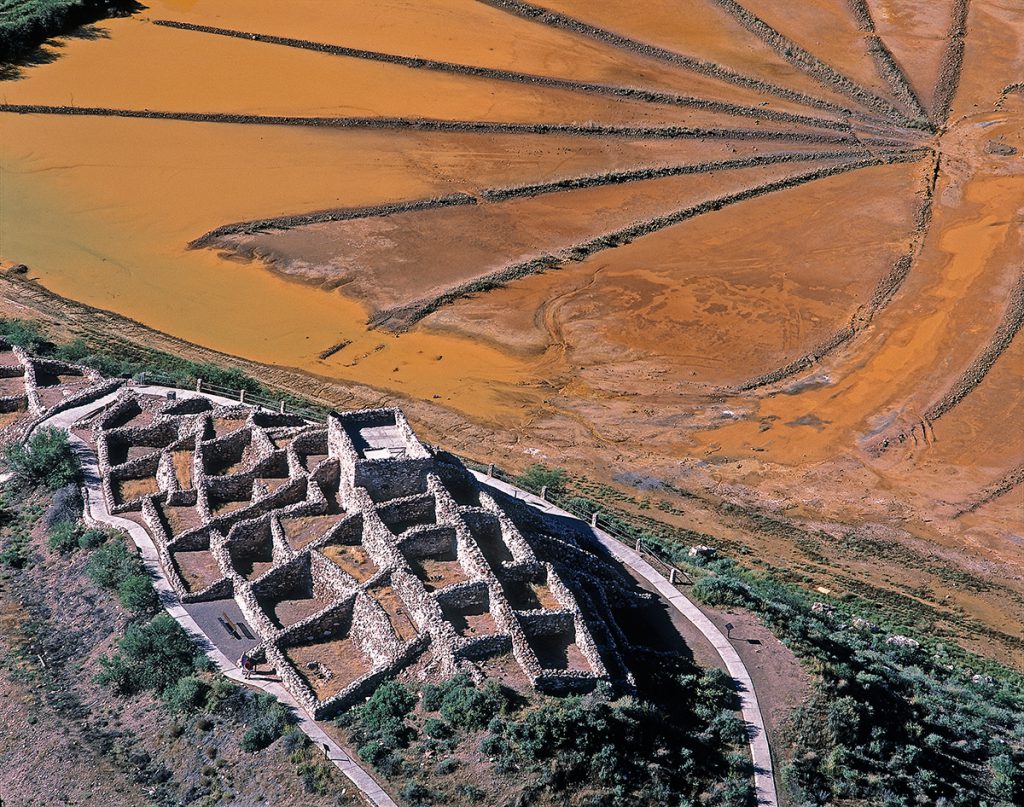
241, 396
593, 519
490, 470
544, 492
281, 410
199, 385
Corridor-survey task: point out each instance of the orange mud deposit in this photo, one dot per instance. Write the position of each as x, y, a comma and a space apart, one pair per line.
768, 253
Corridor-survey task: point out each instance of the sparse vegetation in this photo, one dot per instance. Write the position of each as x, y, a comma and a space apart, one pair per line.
590, 749
894, 720
539, 476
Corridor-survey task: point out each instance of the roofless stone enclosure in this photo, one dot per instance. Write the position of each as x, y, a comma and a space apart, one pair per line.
352, 550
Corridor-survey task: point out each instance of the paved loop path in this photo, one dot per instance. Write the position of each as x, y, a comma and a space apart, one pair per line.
96, 512
764, 777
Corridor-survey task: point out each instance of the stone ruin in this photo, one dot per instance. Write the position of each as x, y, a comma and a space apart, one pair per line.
351, 549
33, 389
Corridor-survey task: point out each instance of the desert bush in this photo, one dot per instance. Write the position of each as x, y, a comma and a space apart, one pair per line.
437, 729
186, 694
47, 460
137, 595
66, 505
24, 333
379, 726
266, 718
92, 538
537, 476
63, 537
416, 794
151, 656
888, 723
112, 563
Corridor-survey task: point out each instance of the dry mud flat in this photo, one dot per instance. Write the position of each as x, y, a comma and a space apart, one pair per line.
763, 252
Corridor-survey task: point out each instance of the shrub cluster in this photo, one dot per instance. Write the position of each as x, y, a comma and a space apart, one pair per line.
538, 476
153, 656
47, 460
463, 705
379, 727
114, 567
16, 524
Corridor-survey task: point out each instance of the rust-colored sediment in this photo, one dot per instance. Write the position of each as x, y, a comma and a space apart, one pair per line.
842, 351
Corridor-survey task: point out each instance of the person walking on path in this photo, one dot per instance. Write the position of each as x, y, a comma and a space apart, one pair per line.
245, 663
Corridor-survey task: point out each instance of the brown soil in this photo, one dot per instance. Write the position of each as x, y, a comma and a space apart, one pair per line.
403, 625
306, 529
352, 559
12, 386
127, 489
183, 461
198, 568
470, 620
342, 657
438, 571
179, 518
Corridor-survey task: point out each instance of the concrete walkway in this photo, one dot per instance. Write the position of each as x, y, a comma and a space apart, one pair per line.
764, 777
96, 513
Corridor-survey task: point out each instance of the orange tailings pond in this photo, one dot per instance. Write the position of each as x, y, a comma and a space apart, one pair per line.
727, 246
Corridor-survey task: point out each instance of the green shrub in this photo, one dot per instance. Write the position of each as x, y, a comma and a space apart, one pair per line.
267, 719
447, 766
137, 595
379, 725
416, 794
462, 704
47, 460
63, 537
112, 563
92, 538
538, 476
186, 694
150, 656
437, 729
24, 333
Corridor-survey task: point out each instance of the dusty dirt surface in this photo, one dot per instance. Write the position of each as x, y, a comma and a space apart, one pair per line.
813, 354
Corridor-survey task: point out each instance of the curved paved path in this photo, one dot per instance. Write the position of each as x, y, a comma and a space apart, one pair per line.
764, 777
96, 513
